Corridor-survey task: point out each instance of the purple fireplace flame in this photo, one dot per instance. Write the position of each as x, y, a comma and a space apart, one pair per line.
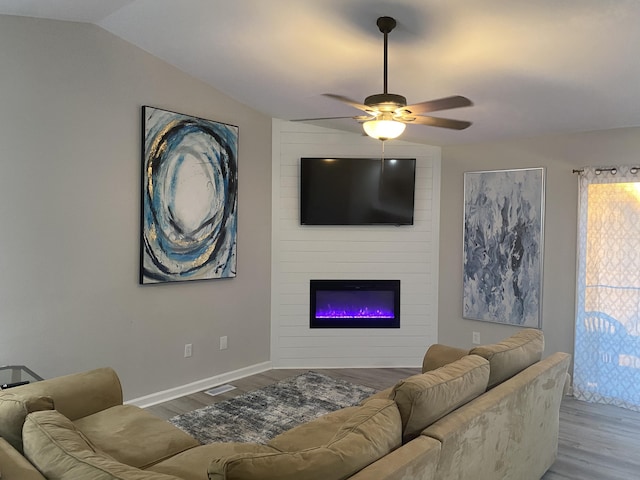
355, 304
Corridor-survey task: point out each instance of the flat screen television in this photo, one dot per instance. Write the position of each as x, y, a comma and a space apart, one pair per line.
357, 191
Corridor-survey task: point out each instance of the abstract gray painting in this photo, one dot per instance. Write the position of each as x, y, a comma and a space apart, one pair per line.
189, 198
502, 246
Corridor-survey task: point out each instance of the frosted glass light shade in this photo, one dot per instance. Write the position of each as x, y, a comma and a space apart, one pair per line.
383, 129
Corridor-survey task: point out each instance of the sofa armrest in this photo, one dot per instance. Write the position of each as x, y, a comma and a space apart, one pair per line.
511, 431
568, 386
14, 466
417, 460
79, 394
440, 355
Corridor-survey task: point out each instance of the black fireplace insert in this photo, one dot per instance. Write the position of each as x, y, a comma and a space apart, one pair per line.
354, 304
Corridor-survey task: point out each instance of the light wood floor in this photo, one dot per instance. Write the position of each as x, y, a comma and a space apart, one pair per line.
597, 442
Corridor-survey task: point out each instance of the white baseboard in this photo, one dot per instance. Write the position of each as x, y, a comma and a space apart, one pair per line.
188, 389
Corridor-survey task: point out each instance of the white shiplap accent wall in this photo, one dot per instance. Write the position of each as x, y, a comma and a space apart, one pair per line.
301, 253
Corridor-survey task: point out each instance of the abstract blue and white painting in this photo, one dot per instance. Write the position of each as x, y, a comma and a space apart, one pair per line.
189, 198
503, 246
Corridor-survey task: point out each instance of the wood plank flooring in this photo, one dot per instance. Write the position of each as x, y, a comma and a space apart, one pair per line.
378, 378
596, 442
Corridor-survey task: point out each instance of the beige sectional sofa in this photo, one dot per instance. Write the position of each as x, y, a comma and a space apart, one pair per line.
489, 413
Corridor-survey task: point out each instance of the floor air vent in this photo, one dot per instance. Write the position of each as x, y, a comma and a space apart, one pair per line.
220, 389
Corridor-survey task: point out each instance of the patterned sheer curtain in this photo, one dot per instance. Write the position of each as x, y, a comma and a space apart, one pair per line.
607, 340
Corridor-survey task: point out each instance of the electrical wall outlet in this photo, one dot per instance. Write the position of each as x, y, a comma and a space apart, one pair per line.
188, 350
223, 343
475, 339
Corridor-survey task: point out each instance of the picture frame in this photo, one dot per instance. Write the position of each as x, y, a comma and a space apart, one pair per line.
189, 198
503, 240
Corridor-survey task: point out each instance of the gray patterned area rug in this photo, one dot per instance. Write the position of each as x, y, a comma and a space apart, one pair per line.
260, 415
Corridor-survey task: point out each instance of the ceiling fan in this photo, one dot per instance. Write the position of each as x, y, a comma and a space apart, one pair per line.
388, 113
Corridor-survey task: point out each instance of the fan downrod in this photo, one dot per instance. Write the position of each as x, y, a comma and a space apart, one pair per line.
386, 102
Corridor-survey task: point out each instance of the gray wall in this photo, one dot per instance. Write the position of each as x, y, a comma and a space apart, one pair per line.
560, 155
70, 98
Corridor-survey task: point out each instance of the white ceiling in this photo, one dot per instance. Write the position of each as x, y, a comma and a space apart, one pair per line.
531, 67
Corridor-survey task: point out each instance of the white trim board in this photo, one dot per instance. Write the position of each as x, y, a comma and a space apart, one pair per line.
198, 386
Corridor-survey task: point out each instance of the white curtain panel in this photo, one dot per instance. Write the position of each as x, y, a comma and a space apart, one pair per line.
607, 337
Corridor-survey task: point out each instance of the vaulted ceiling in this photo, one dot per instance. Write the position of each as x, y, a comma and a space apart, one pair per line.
530, 67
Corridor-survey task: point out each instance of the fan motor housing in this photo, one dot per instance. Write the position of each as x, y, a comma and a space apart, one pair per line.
386, 102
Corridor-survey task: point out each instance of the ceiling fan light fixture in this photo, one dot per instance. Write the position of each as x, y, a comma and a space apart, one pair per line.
383, 129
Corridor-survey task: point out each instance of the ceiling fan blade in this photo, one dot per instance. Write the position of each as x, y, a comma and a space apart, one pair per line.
436, 122
446, 103
318, 118
359, 118
348, 101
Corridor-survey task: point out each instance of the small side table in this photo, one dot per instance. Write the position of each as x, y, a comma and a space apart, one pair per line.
15, 375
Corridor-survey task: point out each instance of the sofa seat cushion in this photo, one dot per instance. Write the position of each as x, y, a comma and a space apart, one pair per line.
192, 464
60, 451
422, 399
512, 355
371, 431
14, 408
134, 436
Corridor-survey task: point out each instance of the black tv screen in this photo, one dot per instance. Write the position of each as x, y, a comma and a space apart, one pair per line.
357, 191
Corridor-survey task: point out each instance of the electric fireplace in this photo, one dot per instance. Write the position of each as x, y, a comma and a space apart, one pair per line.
354, 304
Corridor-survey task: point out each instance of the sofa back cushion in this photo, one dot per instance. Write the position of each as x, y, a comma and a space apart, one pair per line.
422, 399
14, 408
79, 394
371, 432
512, 355
315, 433
13, 466
60, 452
